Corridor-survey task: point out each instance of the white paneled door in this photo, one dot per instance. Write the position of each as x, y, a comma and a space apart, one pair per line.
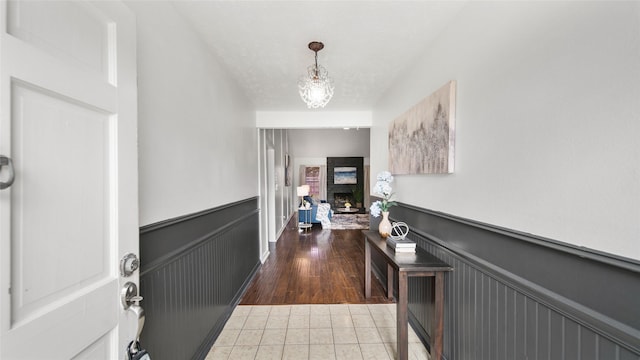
68, 122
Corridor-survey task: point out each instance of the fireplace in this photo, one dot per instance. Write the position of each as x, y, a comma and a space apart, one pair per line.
340, 191
339, 199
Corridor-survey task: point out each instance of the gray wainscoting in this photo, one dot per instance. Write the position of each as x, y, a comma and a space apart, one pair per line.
193, 272
516, 296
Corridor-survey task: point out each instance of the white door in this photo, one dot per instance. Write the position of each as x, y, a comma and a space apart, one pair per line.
68, 121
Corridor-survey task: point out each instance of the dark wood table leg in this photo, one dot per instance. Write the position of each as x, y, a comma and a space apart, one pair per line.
367, 269
389, 281
402, 315
438, 323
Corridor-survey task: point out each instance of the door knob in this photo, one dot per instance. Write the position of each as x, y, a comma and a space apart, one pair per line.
131, 301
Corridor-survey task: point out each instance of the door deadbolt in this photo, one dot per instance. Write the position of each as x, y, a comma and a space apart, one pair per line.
129, 264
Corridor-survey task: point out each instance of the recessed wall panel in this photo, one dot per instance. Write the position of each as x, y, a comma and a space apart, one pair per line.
72, 30
101, 349
60, 217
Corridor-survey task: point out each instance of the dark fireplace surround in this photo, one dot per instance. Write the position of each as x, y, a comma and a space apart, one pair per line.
339, 194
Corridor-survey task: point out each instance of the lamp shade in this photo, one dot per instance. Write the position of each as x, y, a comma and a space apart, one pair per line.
303, 190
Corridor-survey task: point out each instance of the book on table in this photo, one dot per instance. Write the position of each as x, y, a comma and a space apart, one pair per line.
405, 257
402, 245
404, 250
401, 242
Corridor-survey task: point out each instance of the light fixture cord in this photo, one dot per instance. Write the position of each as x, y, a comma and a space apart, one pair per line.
316, 68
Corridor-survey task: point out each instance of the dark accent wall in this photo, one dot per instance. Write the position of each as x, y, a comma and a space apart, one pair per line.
517, 296
332, 162
193, 272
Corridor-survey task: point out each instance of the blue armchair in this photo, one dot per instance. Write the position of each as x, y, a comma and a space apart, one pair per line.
310, 215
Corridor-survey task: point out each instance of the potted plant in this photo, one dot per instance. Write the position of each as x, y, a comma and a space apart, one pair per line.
383, 188
357, 196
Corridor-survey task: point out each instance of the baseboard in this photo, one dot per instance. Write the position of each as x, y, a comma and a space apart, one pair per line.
264, 257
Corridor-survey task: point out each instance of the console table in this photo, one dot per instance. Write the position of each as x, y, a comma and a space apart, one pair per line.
405, 265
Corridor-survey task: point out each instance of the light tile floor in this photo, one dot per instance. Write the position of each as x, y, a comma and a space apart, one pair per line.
313, 332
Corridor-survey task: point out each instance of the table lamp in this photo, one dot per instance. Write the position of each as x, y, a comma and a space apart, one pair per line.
303, 190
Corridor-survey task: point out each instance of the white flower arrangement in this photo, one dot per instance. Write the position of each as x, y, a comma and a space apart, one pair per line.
383, 188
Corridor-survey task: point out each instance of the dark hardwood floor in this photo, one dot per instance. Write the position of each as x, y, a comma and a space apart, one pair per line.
314, 267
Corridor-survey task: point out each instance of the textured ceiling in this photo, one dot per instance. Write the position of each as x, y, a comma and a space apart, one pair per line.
263, 44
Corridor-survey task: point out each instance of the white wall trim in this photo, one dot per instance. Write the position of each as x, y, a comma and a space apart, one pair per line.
313, 119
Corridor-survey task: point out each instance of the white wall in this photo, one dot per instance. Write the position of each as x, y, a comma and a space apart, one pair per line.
312, 119
330, 142
548, 120
197, 137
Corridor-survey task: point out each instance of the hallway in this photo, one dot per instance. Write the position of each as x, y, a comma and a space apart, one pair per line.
307, 302
313, 267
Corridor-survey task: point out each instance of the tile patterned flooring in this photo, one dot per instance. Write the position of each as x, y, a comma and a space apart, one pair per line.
313, 332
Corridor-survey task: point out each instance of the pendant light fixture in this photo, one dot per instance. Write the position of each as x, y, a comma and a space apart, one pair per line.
316, 88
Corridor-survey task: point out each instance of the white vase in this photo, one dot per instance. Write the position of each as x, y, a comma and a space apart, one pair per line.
385, 226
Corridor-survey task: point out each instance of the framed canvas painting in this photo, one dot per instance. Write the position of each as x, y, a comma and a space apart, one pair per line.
287, 171
422, 140
345, 175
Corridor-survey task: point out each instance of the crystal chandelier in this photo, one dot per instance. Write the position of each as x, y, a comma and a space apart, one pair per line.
316, 88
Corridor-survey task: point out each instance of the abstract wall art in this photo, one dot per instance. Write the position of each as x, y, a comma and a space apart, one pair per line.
345, 175
287, 171
422, 140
